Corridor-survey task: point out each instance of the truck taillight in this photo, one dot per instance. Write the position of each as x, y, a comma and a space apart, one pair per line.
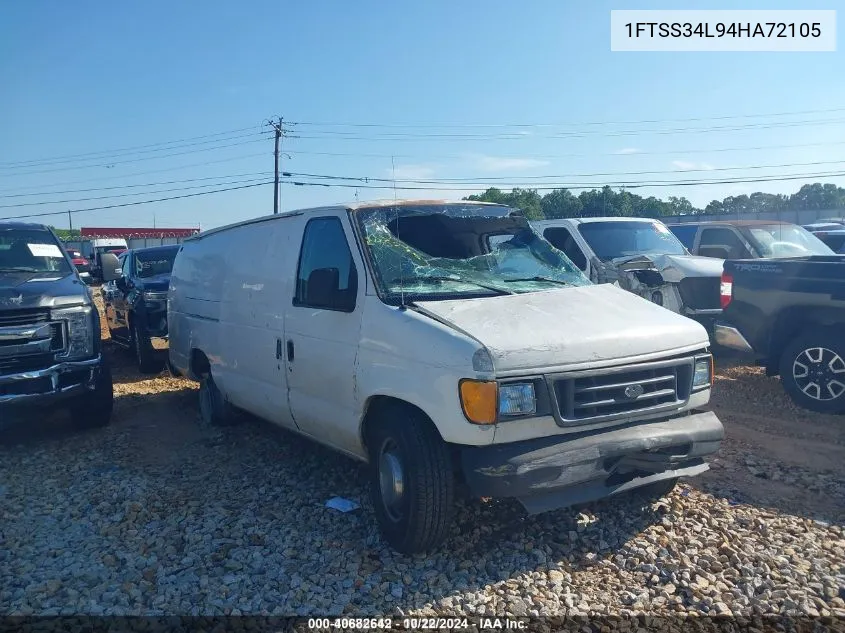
726, 289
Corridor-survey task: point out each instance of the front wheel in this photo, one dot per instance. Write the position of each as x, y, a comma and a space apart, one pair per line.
94, 409
145, 358
214, 409
411, 481
812, 369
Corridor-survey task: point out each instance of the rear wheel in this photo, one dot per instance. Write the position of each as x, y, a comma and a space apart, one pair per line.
411, 480
812, 369
214, 409
94, 408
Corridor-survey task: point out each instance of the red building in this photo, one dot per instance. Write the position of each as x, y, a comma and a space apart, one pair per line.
127, 233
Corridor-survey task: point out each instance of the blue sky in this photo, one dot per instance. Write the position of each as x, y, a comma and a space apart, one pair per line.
102, 76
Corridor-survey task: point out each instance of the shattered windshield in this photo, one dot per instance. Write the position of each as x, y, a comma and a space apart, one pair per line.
787, 240
447, 251
30, 251
612, 240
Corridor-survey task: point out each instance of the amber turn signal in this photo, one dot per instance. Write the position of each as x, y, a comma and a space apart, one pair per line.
478, 400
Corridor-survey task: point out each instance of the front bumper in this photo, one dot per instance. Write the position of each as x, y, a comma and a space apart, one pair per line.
555, 472
730, 337
45, 386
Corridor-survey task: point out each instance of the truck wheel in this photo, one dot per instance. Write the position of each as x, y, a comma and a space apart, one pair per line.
94, 408
214, 409
812, 369
411, 481
145, 357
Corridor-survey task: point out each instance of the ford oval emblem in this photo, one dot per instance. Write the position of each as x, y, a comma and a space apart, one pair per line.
633, 392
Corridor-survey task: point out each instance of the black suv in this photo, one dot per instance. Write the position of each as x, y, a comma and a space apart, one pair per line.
135, 298
49, 331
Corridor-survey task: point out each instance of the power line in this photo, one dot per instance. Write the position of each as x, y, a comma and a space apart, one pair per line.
133, 204
576, 155
352, 136
139, 147
57, 161
132, 160
584, 123
127, 195
485, 179
147, 173
594, 185
120, 187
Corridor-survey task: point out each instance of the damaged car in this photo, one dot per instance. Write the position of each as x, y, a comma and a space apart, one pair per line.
642, 256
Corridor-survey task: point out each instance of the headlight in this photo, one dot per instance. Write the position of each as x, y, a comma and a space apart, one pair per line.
155, 297
703, 375
80, 331
517, 399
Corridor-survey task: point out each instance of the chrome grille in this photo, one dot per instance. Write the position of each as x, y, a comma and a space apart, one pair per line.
24, 317
599, 395
18, 364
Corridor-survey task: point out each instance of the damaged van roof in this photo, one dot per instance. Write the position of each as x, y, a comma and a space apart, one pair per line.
374, 204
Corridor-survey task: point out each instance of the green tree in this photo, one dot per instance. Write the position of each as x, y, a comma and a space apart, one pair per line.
560, 203
681, 206
818, 196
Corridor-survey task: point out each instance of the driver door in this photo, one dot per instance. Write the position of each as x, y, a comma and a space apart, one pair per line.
122, 287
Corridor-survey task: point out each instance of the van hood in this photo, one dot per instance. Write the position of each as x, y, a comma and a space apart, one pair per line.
568, 327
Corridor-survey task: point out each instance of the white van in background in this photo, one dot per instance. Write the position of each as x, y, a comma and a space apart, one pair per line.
94, 248
439, 341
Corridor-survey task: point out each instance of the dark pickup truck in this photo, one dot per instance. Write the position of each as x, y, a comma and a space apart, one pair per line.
789, 314
50, 353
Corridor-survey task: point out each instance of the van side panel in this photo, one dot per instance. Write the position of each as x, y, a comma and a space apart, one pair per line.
257, 286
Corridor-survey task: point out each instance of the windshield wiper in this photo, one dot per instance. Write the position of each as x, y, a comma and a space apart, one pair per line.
548, 279
20, 269
436, 278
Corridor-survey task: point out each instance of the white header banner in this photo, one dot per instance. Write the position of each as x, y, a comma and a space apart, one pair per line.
713, 31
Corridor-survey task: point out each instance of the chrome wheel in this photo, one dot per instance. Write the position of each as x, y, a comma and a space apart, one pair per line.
819, 373
391, 480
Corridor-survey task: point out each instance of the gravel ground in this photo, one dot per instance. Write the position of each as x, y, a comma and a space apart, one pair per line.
155, 516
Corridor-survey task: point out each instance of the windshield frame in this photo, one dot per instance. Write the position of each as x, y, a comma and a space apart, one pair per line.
627, 222
357, 218
65, 269
753, 237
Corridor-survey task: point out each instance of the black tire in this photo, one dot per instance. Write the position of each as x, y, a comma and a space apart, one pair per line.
145, 357
416, 519
812, 370
214, 409
94, 409
657, 489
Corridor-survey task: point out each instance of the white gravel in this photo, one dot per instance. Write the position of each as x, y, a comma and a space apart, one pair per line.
154, 516
237, 525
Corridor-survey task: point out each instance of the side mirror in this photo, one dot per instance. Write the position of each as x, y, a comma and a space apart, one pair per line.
323, 290
110, 267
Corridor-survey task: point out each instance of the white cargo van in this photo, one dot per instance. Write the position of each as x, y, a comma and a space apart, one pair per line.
438, 341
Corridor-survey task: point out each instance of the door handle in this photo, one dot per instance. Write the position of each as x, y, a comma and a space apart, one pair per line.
278, 348
290, 350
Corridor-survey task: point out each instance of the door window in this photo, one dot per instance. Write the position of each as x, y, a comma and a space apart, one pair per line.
723, 244
124, 266
562, 239
326, 277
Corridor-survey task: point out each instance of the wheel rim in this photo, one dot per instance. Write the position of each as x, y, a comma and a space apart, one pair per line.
819, 373
391, 480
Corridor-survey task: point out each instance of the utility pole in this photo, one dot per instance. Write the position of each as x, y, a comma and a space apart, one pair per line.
279, 131
70, 220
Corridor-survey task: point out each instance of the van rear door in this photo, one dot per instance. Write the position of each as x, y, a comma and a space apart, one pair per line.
322, 330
